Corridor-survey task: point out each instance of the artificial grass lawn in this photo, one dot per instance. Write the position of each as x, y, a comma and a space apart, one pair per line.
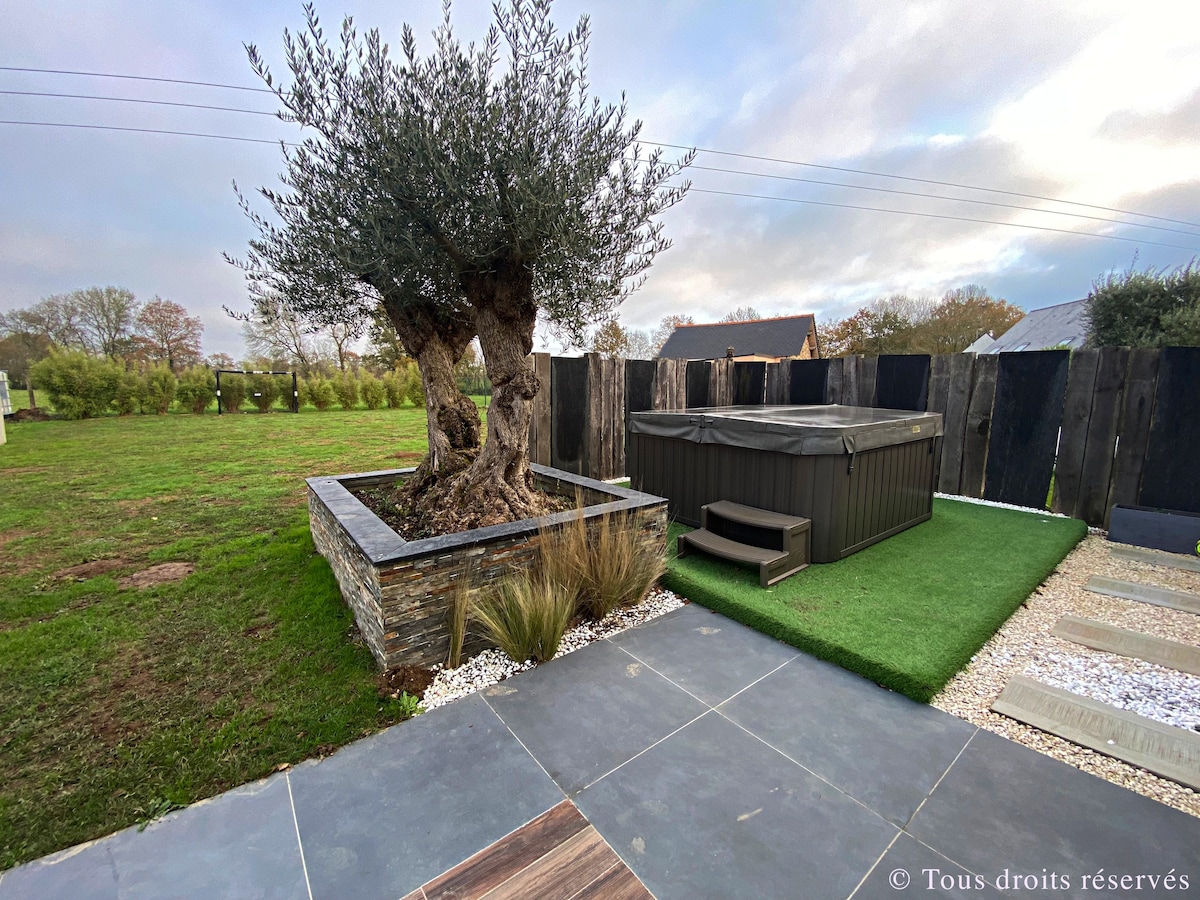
908, 612
117, 704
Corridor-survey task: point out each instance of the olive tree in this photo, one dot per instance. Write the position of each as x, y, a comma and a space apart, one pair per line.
473, 191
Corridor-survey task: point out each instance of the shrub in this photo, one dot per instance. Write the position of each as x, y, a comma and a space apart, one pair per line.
414, 390
233, 392
525, 615
160, 384
263, 391
131, 394
604, 564
345, 386
197, 389
394, 384
317, 391
374, 394
80, 386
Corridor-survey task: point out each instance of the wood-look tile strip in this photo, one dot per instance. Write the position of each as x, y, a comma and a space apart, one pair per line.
618, 883
563, 872
418, 894
496, 864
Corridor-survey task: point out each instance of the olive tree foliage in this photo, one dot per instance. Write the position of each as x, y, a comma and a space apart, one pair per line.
473, 190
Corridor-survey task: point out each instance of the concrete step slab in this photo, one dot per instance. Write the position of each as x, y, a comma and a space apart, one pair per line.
1144, 593
1162, 749
1123, 642
1158, 558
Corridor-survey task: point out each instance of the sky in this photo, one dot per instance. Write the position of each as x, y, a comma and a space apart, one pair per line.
1094, 103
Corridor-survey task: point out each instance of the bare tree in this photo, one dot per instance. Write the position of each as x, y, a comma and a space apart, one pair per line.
166, 333
106, 316
741, 314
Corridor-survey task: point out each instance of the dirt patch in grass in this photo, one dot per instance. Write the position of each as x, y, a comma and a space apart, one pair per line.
164, 573
412, 680
87, 570
408, 456
30, 415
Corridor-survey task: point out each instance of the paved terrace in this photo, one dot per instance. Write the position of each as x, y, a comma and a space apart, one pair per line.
715, 761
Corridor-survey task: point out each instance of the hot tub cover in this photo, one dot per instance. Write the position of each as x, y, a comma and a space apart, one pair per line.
799, 430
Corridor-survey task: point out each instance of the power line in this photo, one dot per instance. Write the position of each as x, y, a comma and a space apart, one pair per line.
220, 137
232, 87
924, 215
254, 112
968, 187
928, 196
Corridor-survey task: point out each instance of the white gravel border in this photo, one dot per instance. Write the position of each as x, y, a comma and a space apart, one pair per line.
493, 666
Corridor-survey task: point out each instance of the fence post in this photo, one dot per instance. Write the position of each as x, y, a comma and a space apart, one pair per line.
979, 425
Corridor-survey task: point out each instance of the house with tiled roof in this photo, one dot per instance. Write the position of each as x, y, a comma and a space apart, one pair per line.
789, 337
1063, 325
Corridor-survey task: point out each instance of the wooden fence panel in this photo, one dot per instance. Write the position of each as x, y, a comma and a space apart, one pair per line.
639, 395
1077, 411
866, 380
697, 383
1171, 477
979, 425
954, 420
902, 382
1026, 416
1137, 408
539, 421
720, 382
851, 368
568, 400
749, 383
807, 384
1102, 436
939, 383
833, 381
777, 382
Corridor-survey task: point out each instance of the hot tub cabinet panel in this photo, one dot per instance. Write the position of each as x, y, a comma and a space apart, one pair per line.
861, 475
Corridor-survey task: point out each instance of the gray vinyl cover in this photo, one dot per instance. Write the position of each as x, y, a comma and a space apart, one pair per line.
799, 430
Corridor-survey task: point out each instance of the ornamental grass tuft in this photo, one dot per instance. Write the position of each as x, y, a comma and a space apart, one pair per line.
525, 615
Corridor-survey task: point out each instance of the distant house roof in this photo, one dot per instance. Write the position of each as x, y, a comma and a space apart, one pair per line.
981, 344
1064, 325
775, 338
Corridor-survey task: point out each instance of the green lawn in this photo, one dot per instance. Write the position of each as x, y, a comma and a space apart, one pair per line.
119, 703
908, 612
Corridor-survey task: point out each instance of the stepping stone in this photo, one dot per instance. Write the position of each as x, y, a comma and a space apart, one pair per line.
1111, 639
1162, 749
1145, 593
1158, 558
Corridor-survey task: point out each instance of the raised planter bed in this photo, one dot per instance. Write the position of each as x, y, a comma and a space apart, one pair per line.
401, 591
1159, 529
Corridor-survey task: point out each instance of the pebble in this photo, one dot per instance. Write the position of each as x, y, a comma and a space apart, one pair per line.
493, 666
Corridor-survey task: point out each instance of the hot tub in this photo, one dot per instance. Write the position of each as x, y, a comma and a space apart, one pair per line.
860, 474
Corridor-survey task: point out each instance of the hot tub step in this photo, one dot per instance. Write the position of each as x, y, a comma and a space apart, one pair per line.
773, 565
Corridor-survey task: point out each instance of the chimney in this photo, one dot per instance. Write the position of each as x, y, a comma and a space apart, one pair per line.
729, 353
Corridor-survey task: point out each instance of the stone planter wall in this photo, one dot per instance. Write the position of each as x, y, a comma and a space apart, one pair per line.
1171, 530
401, 591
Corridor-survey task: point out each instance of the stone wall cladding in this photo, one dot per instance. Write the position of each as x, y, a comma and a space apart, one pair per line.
402, 592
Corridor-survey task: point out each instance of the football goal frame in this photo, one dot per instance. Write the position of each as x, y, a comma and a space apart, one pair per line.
293, 406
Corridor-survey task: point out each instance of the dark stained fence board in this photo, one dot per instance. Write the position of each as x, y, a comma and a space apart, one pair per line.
639, 393
851, 367
697, 383
749, 383
1137, 407
902, 382
539, 422
777, 382
866, 380
807, 385
720, 382
1102, 436
939, 382
1030, 388
1077, 413
1171, 478
833, 381
961, 367
568, 400
593, 402
978, 426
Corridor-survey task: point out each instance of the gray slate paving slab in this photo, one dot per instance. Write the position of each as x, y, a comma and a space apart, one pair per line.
241, 844
1006, 807
589, 712
383, 816
705, 653
713, 812
880, 747
910, 869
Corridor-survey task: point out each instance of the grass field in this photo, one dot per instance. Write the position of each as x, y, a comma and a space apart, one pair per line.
908, 612
118, 704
